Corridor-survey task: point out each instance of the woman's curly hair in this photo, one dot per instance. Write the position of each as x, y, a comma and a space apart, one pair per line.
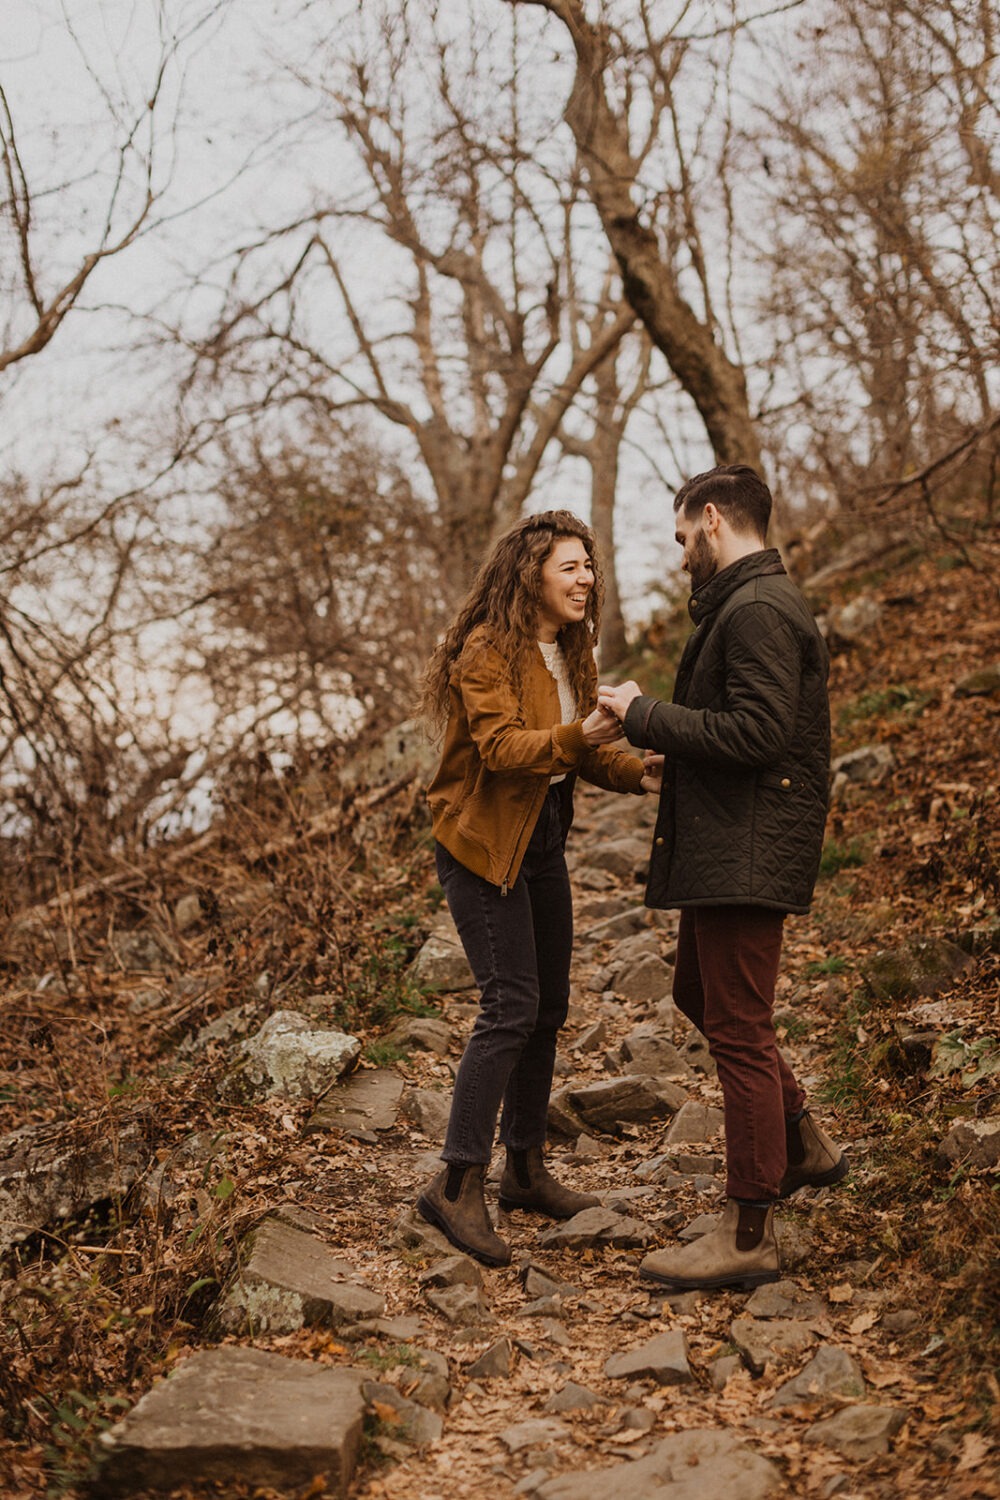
505, 597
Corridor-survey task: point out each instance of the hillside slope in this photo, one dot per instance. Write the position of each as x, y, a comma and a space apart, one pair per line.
889, 1004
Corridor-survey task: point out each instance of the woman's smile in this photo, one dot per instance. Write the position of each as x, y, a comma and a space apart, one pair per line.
567, 579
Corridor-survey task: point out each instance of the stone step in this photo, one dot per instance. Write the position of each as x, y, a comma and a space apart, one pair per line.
238, 1415
359, 1105
290, 1279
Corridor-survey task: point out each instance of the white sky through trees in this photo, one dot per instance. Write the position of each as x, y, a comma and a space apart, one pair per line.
214, 107
229, 149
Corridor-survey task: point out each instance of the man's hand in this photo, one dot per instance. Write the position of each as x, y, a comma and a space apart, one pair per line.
615, 700
652, 781
601, 728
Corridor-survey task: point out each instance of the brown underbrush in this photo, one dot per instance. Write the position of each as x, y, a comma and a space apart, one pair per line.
312, 899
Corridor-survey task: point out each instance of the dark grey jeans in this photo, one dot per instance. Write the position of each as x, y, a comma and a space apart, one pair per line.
519, 948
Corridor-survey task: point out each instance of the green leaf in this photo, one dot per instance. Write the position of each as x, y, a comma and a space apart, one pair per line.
225, 1187
196, 1286
81, 1399
950, 1055
74, 1421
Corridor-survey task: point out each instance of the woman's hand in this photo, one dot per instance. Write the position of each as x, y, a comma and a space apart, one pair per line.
652, 780
601, 728
616, 700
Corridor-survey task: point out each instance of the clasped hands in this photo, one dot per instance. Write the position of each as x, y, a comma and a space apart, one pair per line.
604, 726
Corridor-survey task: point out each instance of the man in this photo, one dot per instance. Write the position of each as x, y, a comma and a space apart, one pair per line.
746, 747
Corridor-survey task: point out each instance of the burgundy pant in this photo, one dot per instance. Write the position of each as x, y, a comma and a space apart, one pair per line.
727, 964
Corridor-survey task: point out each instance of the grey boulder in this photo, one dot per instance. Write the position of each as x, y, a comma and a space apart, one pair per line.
238, 1415
859, 1432
290, 1057
663, 1359
697, 1465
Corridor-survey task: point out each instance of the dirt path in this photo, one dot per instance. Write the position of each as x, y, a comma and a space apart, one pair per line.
831, 1252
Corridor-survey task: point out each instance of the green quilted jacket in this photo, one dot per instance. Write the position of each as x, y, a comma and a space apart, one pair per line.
747, 746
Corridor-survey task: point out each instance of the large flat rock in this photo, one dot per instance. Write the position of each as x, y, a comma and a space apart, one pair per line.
650, 1052
695, 1121
974, 1143
633, 1098
663, 1359
363, 1102
427, 1111
593, 1227
771, 1341
920, 967
238, 1415
831, 1374
698, 1465
644, 980
859, 1432
291, 1280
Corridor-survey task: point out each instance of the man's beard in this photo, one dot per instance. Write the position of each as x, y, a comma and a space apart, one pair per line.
701, 562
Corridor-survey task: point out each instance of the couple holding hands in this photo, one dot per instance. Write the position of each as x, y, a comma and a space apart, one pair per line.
740, 762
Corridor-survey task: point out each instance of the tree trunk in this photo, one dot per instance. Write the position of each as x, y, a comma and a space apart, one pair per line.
716, 386
604, 447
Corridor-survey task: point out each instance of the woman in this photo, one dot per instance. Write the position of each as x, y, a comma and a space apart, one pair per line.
514, 681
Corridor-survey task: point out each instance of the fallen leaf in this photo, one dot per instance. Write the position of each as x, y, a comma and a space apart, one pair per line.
974, 1449
843, 1292
864, 1321
316, 1486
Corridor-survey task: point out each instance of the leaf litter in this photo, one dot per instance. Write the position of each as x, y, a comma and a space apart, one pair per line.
903, 1233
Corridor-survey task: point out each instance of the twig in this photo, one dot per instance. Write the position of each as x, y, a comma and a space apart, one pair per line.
923, 475
101, 1250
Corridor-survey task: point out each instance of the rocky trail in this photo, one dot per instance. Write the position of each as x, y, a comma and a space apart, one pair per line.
327, 1341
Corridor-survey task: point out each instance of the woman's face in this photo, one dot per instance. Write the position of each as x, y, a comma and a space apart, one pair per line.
567, 579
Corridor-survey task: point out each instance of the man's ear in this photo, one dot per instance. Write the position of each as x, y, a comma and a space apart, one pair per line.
710, 518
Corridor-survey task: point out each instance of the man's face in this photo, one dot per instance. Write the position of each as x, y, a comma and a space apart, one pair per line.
700, 561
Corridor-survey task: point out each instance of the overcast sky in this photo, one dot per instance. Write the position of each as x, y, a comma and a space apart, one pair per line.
77, 74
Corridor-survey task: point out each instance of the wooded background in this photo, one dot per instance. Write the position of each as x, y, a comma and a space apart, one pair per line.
300, 304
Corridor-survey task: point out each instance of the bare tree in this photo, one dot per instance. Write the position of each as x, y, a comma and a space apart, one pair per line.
447, 248
319, 598
617, 386
118, 189
882, 276
77, 771
82, 752
625, 93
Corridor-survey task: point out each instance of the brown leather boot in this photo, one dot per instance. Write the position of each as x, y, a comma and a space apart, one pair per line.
813, 1159
741, 1252
455, 1203
527, 1183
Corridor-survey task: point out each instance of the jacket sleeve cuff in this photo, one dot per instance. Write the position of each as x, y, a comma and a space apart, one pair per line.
569, 738
636, 721
634, 771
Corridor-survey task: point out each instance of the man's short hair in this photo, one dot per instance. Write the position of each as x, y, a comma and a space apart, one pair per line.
737, 492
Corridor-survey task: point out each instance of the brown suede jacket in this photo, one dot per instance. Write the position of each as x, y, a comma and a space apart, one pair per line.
500, 749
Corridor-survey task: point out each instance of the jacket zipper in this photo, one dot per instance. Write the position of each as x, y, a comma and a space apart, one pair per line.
505, 883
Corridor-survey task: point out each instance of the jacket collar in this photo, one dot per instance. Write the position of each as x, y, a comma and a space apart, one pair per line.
719, 587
